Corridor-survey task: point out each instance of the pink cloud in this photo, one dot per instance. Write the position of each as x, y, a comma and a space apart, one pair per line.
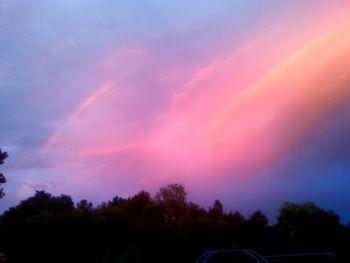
241, 112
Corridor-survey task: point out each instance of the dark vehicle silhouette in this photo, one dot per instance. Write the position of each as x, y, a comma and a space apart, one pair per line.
250, 256
303, 258
231, 256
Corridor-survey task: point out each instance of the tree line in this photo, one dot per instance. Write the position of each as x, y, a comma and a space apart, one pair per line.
165, 227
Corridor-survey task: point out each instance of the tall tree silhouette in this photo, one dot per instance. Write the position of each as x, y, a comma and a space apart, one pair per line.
173, 200
217, 210
3, 156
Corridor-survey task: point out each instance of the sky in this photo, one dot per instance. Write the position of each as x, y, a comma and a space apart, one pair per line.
243, 101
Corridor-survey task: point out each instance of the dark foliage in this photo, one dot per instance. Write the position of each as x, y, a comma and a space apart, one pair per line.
3, 156
166, 228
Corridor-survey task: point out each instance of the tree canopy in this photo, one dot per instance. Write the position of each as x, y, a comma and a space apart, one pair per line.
164, 227
3, 156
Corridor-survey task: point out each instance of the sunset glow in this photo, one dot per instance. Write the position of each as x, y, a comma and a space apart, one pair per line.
246, 101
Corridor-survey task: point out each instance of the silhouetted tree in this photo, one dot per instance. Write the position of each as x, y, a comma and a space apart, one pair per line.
258, 219
172, 193
173, 200
84, 205
140, 200
216, 216
306, 219
306, 227
3, 156
236, 219
217, 209
257, 230
43, 220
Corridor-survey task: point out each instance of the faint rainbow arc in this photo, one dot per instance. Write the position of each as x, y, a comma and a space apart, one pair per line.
82, 107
